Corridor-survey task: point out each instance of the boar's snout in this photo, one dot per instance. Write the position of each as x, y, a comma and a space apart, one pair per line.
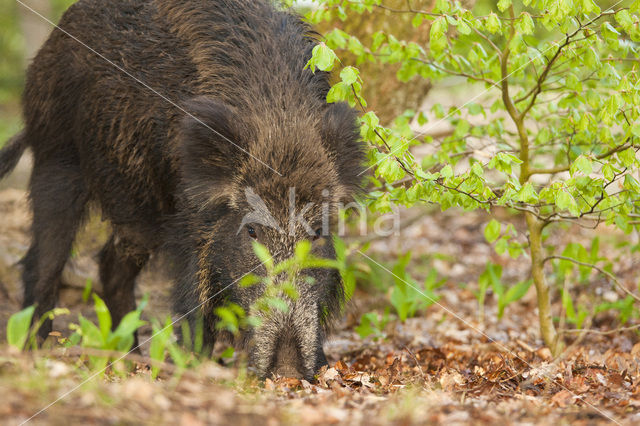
289, 347
287, 362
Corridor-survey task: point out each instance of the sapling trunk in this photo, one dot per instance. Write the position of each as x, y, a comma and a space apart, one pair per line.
534, 225
547, 329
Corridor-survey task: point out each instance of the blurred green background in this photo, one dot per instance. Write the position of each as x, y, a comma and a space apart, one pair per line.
21, 33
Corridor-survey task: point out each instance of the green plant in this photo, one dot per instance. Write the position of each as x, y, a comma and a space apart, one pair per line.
373, 324
19, 326
22, 332
276, 289
101, 336
491, 277
553, 136
163, 344
407, 295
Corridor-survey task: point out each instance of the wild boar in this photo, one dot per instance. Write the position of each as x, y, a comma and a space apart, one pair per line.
190, 125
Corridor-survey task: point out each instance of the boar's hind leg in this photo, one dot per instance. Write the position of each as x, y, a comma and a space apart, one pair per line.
58, 198
120, 263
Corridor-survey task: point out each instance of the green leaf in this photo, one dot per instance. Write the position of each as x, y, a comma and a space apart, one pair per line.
582, 163
588, 6
104, 316
447, 171
565, 201
228, 319
474, 108
122, 338
390, 170
525, 24
493, 23
86, 292
91, 334
302, 250
370, 119
627, 157
417, 20
503, 5
607, 171
159, 341
631, 183
368, 325
490, 277
263, 255
567, 304
349, 75
514, 294
441, 6
527, 194
18, 327
339, 92
249, 280
228, 353
463, 28
492, 231
437, 39
322, 57
377, 39
278, 304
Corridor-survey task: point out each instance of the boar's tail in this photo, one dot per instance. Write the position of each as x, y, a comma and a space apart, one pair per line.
11, 153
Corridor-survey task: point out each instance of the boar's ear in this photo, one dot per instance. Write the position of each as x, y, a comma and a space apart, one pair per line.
210, 149
341, 134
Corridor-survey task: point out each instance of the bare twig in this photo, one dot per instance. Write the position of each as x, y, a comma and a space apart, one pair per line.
612, 277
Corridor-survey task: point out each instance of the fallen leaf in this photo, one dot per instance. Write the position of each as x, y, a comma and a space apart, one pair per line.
562, 398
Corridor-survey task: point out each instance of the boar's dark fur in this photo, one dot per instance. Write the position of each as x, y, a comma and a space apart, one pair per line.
170, 115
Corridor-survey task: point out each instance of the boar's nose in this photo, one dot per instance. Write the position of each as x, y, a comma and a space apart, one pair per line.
287, 361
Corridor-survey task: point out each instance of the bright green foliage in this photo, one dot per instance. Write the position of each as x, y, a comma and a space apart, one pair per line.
88, 288
512, 294
573, 316
101, 336
492, 231
625, 308
373, 324
21, 334
347, 269
277, 290
407, 295
232, 317
492, 278
18, 327
160, 343
555, 130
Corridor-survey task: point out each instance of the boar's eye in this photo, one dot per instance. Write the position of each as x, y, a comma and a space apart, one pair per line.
317, 234
252, 232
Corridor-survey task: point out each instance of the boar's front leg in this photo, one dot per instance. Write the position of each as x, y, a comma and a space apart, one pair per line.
58, 198
120, 264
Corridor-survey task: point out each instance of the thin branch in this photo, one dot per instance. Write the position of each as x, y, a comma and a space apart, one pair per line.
487, 39
457, 73
599, 269
602, 156
602, 333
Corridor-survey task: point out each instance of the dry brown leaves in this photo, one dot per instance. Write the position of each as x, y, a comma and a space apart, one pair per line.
583, 386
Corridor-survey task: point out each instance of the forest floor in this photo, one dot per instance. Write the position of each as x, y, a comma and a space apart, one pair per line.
444, 366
